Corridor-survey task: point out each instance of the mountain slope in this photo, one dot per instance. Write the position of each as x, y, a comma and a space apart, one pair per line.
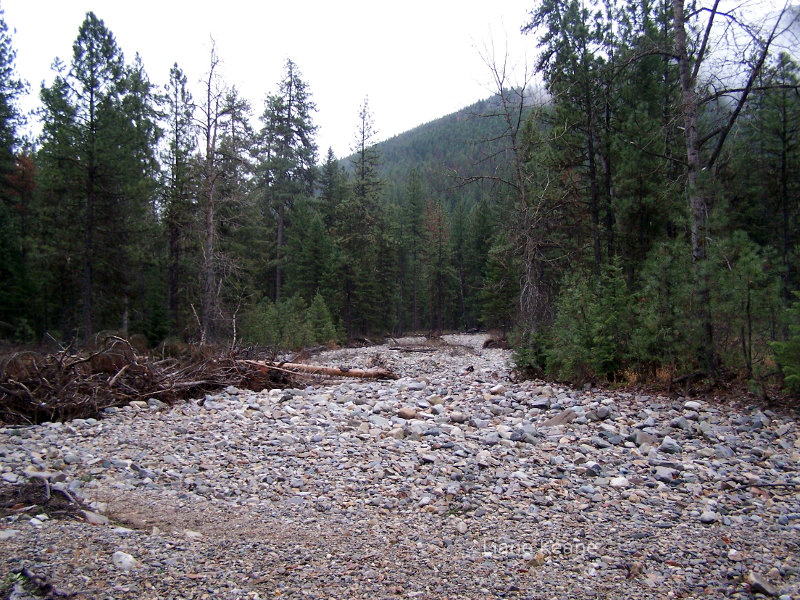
444, 151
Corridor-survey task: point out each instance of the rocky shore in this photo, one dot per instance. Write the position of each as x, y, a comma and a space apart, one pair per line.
450, 482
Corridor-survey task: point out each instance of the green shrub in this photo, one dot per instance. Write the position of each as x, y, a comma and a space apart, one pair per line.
289, 324
319, 320
592, 326
530, 354
664, 334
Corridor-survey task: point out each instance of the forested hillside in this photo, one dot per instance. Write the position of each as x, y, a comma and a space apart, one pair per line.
634, 218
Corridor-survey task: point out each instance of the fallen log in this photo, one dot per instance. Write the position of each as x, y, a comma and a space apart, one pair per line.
322, 370
412, 349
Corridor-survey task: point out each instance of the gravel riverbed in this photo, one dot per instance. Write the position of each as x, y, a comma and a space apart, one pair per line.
450, 482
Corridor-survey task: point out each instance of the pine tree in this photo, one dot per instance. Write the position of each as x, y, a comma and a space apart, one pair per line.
571, 65
309, 247
331, 185
178, 187
414, 239
134, 214
97, 158
439, 273
288, 154
765, 167
16, 188
361, 237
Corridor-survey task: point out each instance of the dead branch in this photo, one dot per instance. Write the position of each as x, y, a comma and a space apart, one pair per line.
67, 385
114, 379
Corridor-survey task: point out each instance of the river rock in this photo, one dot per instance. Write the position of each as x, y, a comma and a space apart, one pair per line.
124, 561
562, 418
407, 413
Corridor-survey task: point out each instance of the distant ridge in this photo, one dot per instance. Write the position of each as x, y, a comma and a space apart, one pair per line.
442, 150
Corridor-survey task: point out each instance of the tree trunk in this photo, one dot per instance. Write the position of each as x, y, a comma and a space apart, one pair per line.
173, 275
210, 128
88, 250
609, 178
209, 273
209, 276
594, 191
415, 313
125, 314
786, 232
279, 250
698, 213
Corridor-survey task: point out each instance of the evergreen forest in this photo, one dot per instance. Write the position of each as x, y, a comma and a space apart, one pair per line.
628, 211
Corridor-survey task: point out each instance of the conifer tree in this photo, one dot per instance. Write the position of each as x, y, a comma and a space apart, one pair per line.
571, 35
288, 153
359, 222
331, 185
439, 273
16, 187
97, 157
414, 238
178, 188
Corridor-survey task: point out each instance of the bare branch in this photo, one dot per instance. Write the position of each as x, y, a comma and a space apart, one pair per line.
755, 71
704, 44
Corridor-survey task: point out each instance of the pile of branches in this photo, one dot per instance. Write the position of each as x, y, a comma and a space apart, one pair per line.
38, 387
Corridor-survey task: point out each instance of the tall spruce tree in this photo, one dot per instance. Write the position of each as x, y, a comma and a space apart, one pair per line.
572, 34
179, 199
15, 190
360, 232
331, 185
96, 153
413, 217
439, 273
288, 154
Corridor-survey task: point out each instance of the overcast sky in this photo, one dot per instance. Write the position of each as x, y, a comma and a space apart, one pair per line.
416, 60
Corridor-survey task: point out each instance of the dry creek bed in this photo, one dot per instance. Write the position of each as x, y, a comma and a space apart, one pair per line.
450, 482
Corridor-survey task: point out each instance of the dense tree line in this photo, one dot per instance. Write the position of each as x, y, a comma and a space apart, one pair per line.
638, 217
653, 252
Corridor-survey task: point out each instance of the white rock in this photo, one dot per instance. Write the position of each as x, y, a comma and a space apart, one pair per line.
122, 530
123, 561
95, 518
619, 482
7, 534
709, 517
734, 555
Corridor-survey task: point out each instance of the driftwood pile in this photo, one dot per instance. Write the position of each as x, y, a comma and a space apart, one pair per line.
38, 387
64, 385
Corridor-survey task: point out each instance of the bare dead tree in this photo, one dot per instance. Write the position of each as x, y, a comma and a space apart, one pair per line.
535, 205
209, 125
713, 24
223, 128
